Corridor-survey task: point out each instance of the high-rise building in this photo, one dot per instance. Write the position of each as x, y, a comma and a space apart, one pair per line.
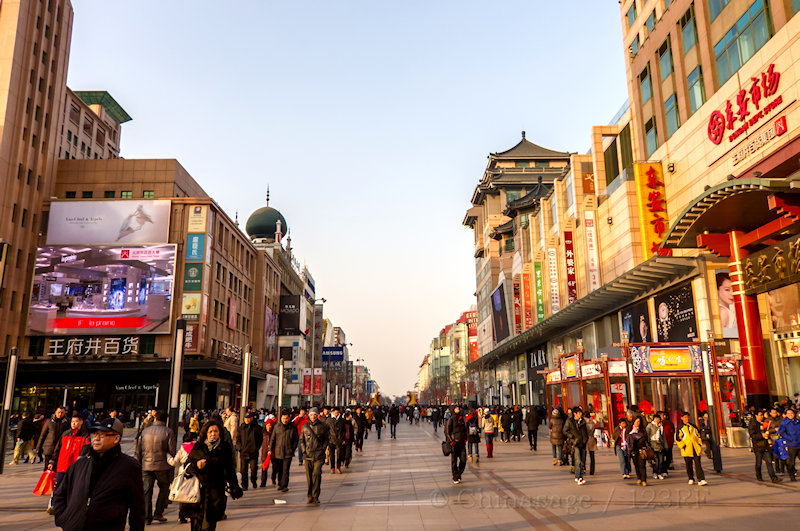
91, 126
33, 73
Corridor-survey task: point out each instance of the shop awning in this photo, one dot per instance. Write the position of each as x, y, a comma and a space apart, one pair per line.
655, 274
741, 204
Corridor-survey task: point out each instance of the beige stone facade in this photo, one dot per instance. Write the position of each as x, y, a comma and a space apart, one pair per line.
91, 127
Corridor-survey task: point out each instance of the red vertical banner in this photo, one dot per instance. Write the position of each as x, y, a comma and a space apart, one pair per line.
306, 381
517, 309
527, 301
317, 381
572, 284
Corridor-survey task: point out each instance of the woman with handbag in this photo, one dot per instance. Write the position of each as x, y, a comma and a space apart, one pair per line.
211, 460
488, 425
638, 446
179, 462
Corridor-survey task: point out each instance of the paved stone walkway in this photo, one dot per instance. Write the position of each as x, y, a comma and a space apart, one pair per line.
406, 484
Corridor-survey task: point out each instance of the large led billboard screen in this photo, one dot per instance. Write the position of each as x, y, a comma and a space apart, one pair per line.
102, 290
118, 222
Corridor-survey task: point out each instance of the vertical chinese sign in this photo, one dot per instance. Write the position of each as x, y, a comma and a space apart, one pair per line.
537, 268
317, 381
569, 252
652, 206
517, 306
552, 273
592, 257
527, 297
306, 381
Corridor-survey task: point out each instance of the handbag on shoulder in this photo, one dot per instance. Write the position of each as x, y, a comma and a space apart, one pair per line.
185, 488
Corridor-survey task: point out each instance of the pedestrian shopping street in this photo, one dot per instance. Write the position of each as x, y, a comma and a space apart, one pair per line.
406, 484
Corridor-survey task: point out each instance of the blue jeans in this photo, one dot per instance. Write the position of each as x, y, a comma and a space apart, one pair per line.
624, 462
578, 460
471, 445
557, 451
299, 455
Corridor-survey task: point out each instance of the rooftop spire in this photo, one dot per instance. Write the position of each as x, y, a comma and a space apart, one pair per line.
267, 195
523, 135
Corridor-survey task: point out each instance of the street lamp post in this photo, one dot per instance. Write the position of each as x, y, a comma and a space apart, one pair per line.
248, 355
177, 375
8, 398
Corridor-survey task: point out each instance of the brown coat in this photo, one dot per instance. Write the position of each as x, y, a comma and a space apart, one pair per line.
556, 427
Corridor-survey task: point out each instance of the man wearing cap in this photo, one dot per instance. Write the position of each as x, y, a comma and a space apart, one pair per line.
103, 488
248, 445
313, 442
152, 447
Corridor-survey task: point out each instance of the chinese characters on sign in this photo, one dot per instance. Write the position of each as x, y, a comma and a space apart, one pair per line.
537, 268
750, 147
527, 297
552, 272
517, 308
738, 118
572, 284
592, 257
93, 346
652, 206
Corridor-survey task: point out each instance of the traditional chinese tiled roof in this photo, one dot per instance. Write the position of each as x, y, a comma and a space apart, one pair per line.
528, 150
506, 228
530, 200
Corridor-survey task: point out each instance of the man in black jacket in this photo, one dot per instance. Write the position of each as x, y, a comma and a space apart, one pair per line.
455, 432
26, 432
759, 437
378, 419
282, 446
336, 426
361, 426
576, 431
103, 488
51, 434
313, 441
532, 420
248, 444
516, 419
394, 419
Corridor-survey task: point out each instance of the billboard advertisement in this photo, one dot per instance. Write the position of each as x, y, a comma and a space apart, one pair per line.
727, 307
198, 218
118, 222
636, 321
102, 290
675, 319
289, 319
500, 314
271, 339
195, 245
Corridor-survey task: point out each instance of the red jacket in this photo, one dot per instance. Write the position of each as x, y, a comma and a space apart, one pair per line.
69, 449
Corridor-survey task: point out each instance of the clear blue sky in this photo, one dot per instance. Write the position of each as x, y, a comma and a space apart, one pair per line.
370, 121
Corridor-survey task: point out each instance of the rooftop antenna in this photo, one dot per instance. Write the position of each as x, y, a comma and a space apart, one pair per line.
237, 218
267, 195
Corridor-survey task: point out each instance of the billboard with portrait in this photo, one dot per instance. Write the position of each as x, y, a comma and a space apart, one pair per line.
102, 290
636, 321
118, 222
500, 314
289, 318
675, 315
727, 308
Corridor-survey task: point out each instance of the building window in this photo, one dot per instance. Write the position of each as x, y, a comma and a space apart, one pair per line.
509, 245
69, 135
665, 59
69, 195
635, 44
650, 135
109, 194
86, 195
632, 14
523, 164
697, 92
666, 4
568, 184
126, 194
742, 41
540, 164
715, 7
554, 207
149, 194
688, 30
650, 23
541, 230
671, 114
795, 6
645, 85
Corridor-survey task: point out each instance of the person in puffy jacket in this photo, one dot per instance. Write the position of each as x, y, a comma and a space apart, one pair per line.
532, 421
248, 444
282, 446
488, 425
576, 431
687, 437
179, 461
591, 445
637, 442
51, 433
313, 442
266, 435
655, 434
155, 443
556, 428
759, 438
455, 432
789, 430
473, 435
69, 447
345, 452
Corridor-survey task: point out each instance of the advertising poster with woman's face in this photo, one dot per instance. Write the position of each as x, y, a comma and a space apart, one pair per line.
727, 310
784, 306
675, 317
636, 321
